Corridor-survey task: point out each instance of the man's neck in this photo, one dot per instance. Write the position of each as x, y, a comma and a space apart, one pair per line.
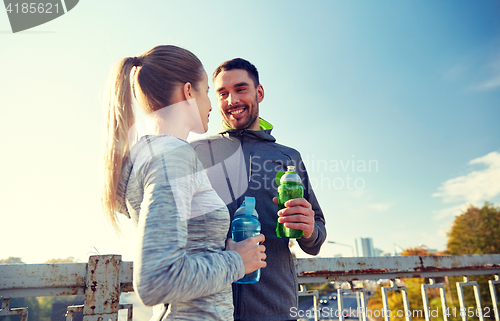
261, 124
255, 125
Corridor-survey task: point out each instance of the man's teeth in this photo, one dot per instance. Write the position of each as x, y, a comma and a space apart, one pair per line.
239, 111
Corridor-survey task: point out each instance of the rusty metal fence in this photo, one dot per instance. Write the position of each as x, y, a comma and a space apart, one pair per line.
105, 277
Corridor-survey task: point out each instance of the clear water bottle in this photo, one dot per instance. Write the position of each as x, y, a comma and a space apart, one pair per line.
289, 187
246, 224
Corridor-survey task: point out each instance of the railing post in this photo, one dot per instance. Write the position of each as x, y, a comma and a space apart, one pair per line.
463, 309
442, 293
493, 293
406, 302
303, 292
6, 310
102, 290
360, 300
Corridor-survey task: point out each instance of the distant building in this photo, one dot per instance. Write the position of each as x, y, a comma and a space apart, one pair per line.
366, 245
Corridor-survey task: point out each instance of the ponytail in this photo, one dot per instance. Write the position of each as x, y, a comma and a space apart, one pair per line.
159, 71
119, 119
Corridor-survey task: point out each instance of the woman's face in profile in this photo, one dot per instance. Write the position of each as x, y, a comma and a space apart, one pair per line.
203, 102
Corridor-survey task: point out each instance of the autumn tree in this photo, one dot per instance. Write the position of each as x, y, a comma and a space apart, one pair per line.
476, 231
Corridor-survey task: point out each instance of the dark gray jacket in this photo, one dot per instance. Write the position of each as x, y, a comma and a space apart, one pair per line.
243, 163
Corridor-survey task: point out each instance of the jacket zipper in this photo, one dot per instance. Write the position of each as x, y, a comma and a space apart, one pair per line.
240, 286
250, 170
240, 179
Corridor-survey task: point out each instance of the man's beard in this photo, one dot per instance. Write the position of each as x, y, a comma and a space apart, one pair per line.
252, 118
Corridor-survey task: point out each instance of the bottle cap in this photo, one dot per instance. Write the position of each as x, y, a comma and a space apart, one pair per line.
247, 208
290, 176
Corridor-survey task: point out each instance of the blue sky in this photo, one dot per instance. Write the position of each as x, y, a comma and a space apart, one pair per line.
412, 86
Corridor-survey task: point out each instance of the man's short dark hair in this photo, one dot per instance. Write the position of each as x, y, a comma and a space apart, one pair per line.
238, 63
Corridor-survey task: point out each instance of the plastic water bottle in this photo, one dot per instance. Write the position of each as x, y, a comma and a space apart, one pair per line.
246, 224
289, 187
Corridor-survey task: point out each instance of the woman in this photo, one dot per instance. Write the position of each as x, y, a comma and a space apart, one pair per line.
153, 176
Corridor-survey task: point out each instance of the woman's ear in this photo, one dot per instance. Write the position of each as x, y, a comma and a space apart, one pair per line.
187, 90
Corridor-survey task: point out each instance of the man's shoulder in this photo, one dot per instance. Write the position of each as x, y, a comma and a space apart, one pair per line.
215, 149
290, 151
218, 141
205, 140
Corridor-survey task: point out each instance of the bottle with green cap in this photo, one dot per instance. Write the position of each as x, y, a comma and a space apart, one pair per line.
246, 224
289, 187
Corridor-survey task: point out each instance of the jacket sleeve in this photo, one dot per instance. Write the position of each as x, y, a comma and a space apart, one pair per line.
313, 244
163, 271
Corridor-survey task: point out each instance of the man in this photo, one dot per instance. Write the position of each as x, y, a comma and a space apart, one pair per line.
242, 160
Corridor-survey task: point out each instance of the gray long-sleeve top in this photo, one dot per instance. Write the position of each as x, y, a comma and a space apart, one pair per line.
182, 227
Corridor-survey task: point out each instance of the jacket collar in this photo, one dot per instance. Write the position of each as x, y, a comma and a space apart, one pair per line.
263, 134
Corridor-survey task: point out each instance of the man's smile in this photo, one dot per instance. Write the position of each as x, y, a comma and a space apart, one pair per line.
237, 111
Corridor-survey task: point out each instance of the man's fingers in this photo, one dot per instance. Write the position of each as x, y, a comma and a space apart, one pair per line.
296, 210
298, 202
294, 218
296, 226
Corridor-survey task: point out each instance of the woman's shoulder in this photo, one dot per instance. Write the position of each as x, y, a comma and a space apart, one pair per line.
159, 142
154, 146
164, 152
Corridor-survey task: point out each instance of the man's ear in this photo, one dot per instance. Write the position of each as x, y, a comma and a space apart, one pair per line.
260, 93
187, 90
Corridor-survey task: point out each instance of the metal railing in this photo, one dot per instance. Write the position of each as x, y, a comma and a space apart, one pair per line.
354, 270
105, 277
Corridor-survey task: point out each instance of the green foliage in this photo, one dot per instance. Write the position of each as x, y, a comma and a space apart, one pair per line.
476, 231
39, 308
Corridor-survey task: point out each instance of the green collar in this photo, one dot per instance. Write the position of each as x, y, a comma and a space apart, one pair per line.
262, 124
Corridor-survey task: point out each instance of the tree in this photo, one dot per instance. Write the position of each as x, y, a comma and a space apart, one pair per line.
476, 231
415, 251
69, 259
12, 260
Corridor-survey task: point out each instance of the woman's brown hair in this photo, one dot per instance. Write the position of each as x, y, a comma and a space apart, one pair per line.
152, 79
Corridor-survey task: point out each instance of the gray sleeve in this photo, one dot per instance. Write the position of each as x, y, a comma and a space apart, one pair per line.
163, 271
